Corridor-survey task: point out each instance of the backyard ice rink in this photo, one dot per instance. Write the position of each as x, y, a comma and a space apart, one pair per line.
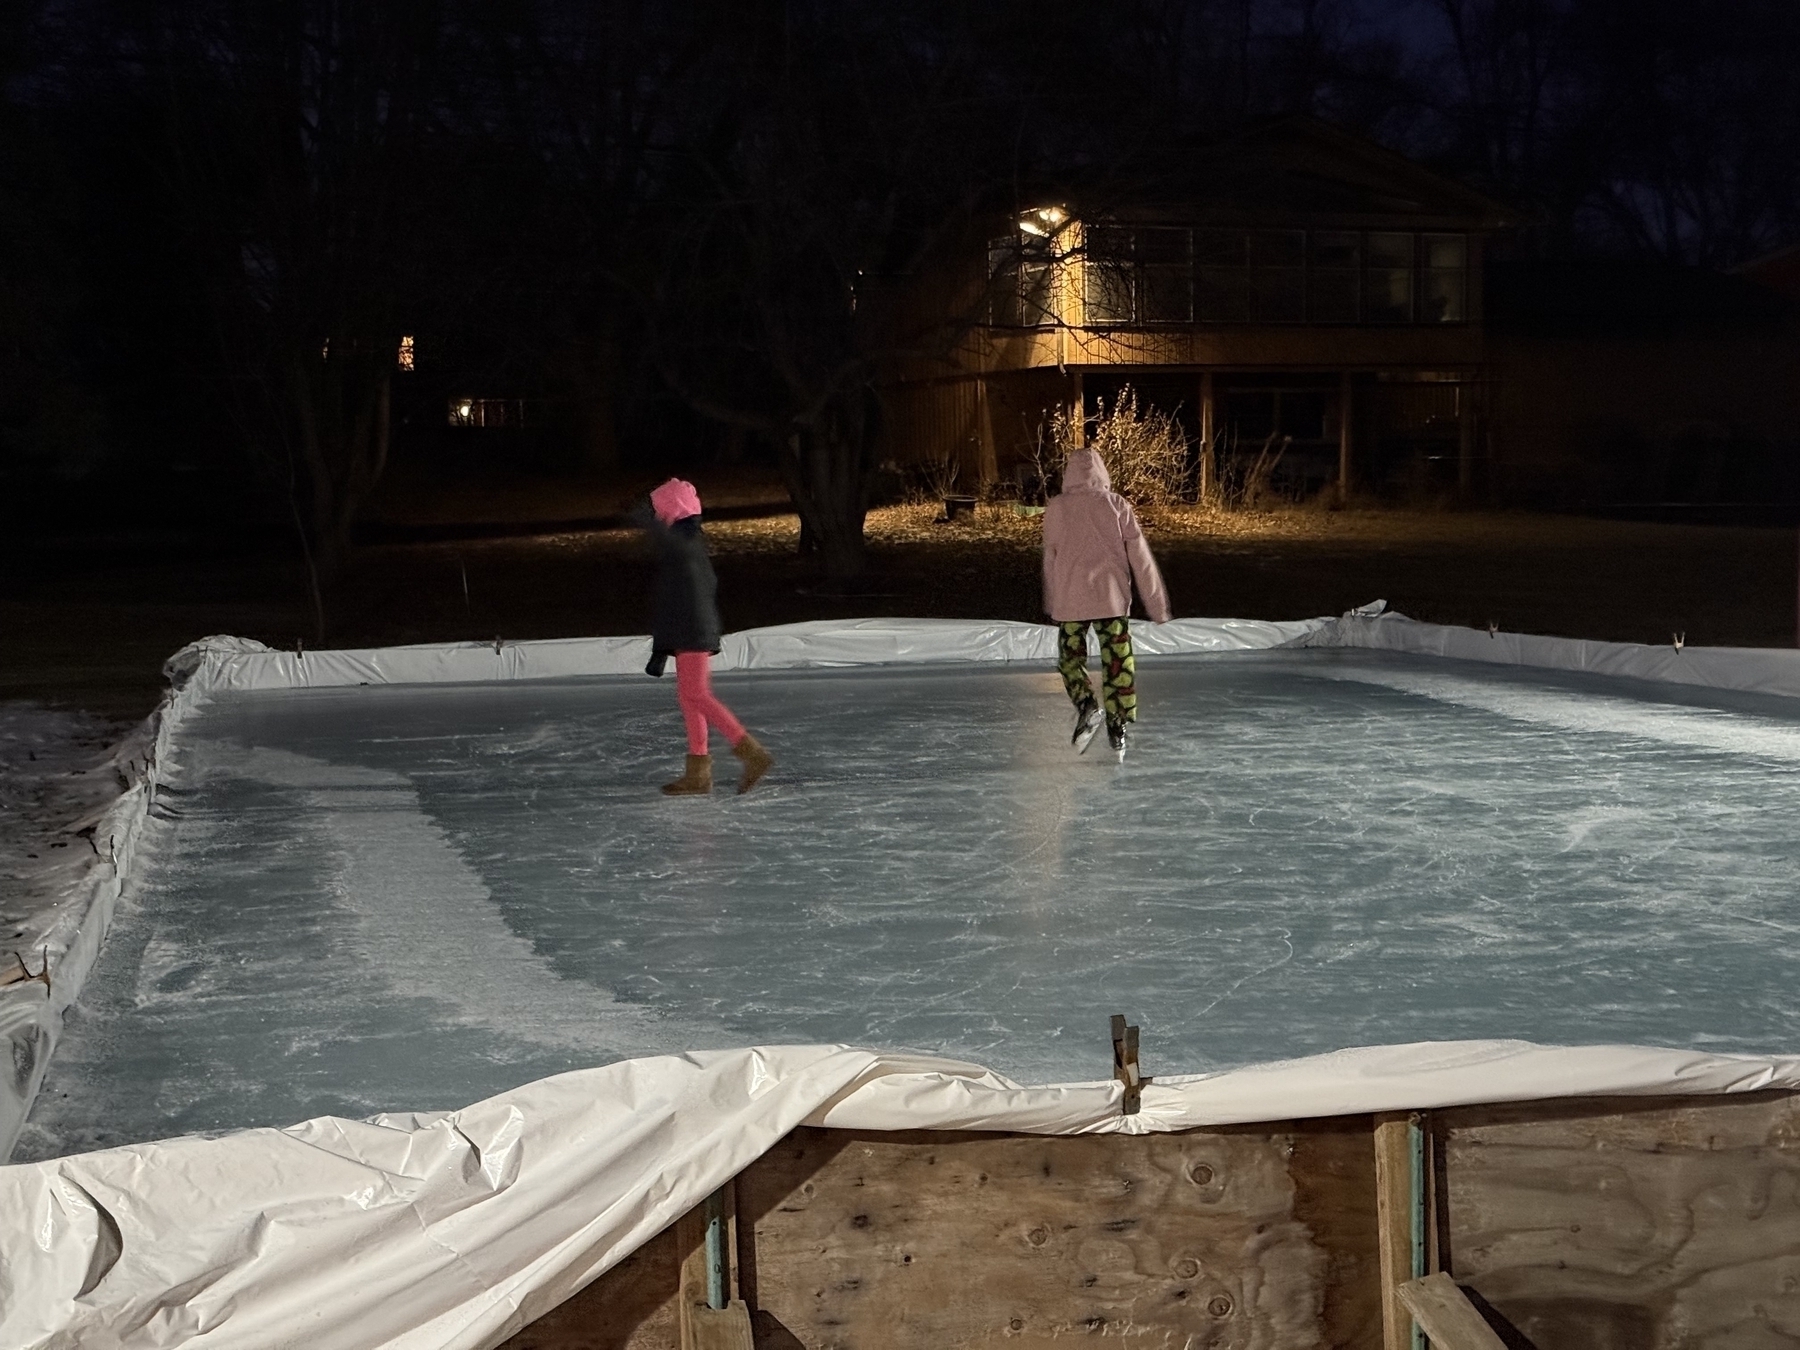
413, 897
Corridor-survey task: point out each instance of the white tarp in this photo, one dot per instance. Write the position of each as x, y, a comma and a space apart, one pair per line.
233, 664
1758, 670
467, 1225
452, 1231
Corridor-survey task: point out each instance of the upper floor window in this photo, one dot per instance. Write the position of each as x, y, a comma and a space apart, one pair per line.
1022, 280
1159, 274
1139, 275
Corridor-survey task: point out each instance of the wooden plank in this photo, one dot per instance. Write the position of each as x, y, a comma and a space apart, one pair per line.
936, 1239
1630, 1224
1445, 1314
727, 1328
1394, 1204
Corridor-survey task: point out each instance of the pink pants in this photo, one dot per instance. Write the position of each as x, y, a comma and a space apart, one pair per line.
699, 707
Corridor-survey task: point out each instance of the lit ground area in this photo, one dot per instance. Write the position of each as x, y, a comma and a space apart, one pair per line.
89, 627
399, 898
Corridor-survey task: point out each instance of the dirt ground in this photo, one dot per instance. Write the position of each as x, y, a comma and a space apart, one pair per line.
88, 629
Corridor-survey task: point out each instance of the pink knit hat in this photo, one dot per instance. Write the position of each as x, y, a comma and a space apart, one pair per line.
675, 500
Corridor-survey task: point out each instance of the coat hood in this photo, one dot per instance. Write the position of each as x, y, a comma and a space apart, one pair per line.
1085, 472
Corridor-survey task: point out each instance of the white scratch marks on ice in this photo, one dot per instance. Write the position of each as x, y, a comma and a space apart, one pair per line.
426, 923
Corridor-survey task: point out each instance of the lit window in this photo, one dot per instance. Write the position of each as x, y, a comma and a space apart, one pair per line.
404, 359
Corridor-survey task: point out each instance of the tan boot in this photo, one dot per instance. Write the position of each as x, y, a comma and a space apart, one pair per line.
756, 761
697, 781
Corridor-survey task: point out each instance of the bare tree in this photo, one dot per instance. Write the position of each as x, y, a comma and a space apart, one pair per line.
842, 146
311, 154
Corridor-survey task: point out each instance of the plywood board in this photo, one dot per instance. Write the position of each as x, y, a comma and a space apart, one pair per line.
1228, 1238
1630, 1225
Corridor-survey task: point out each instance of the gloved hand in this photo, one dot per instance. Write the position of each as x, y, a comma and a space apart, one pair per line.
658, 660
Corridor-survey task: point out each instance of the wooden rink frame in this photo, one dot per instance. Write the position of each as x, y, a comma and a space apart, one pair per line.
1620, 1223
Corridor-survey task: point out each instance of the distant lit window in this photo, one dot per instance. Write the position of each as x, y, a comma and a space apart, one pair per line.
1388, 277
492, 412
404, 358
325, 351
1444, 294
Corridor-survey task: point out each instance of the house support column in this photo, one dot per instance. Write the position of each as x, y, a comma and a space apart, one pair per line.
984, 431
1465, 440
1206, 488
1344, 430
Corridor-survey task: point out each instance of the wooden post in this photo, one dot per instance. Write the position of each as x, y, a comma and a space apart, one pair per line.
1208, 467
707, 1238
1400, 1221
1343, 482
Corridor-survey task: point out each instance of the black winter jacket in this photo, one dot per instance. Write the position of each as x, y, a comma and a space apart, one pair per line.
686, 617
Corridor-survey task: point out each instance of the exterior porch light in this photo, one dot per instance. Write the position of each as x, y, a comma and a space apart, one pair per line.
1043, 221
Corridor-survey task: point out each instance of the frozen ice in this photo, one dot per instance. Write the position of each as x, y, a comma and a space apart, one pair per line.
408, 898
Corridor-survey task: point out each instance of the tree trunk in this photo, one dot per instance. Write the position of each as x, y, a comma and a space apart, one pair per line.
342, 416
826, 464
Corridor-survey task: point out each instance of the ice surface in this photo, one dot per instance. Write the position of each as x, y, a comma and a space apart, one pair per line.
413, 897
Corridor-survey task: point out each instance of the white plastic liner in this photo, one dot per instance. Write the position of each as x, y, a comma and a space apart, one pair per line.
233, 664
455, 1230
1760, 670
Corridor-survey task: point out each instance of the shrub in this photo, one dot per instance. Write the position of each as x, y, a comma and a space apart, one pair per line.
1144, 450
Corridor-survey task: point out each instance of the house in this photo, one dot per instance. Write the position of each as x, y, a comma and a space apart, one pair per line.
1296, 288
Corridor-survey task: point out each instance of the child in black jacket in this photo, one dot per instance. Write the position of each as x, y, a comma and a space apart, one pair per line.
685, 625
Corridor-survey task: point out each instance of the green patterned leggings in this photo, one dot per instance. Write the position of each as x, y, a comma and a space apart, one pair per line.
1118, 668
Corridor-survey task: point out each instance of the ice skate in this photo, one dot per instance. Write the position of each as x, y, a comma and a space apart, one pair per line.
1087, 723
756, 761
1115, 737
695, 781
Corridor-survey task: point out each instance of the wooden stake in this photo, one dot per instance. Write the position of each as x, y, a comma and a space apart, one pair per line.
1125, 1064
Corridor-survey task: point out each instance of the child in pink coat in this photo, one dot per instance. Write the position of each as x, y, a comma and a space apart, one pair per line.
1093, 552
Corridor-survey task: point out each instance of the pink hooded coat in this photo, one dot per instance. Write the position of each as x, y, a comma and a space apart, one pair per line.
1093, 550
